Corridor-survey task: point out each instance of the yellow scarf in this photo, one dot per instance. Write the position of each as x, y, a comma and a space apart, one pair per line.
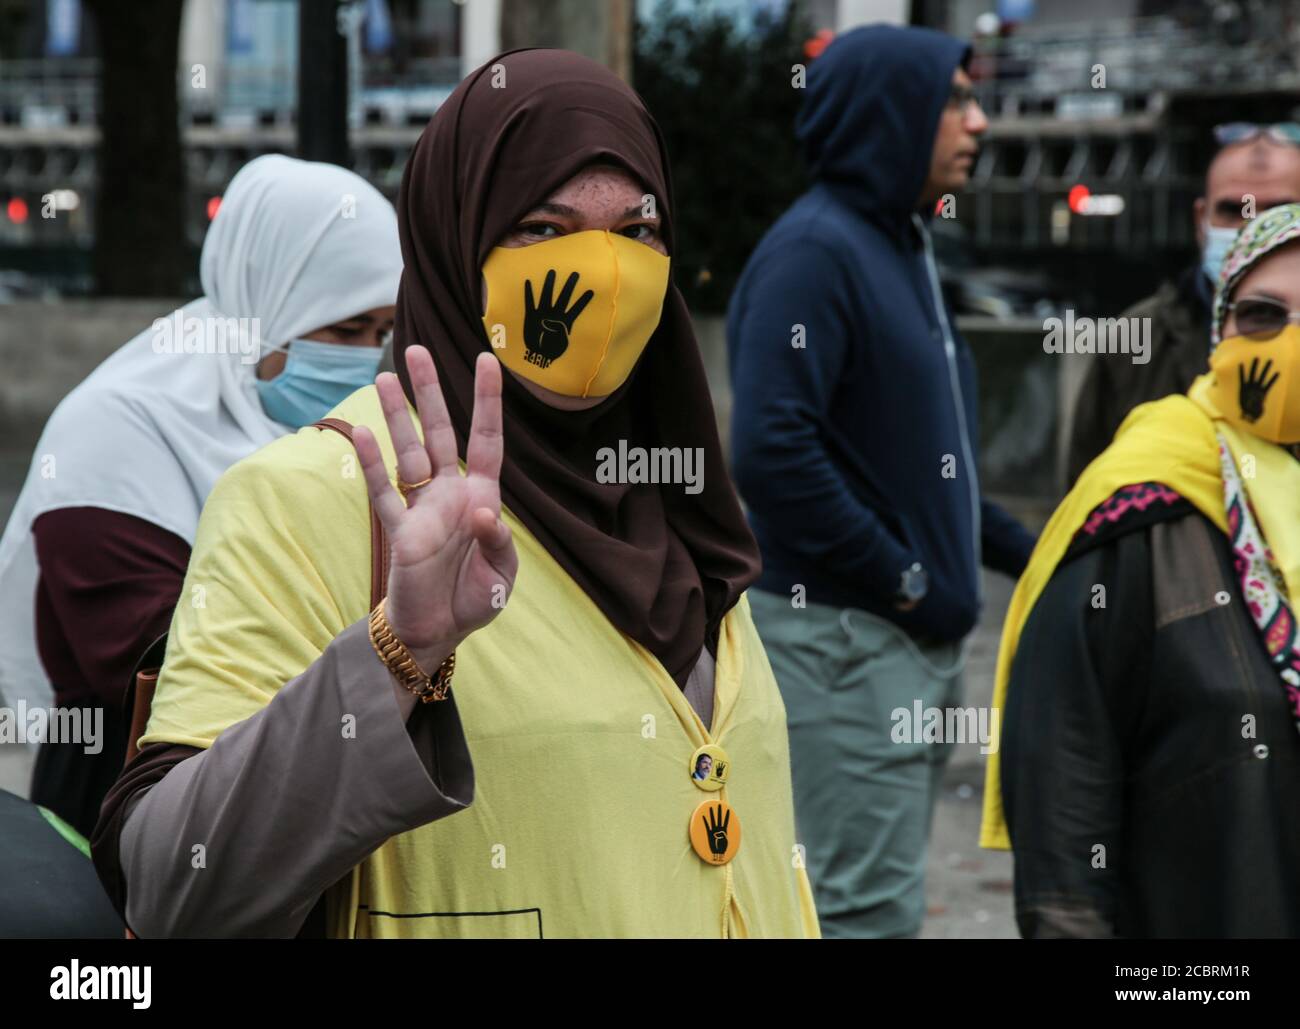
1171, 441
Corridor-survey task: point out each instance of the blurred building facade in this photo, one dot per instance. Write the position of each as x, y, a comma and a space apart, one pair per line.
1101, 122
237, 84
1100, 115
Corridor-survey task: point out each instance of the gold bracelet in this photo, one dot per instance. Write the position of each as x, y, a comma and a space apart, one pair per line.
402, 664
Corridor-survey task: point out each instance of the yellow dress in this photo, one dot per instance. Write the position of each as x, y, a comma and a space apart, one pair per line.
581, 741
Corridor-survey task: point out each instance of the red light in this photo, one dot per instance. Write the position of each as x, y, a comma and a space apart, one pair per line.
1077, 195
213, 204
17, 210
812, 48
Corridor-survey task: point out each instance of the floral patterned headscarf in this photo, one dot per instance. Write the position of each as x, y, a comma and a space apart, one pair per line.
1257, 237
1263, 585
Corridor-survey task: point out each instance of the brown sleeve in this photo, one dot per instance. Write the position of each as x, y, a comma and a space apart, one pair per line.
146, 769
282, 805
108, 584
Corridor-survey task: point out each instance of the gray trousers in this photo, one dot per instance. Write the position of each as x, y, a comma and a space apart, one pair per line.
864, 789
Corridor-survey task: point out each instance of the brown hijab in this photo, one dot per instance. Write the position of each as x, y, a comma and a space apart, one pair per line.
663, 565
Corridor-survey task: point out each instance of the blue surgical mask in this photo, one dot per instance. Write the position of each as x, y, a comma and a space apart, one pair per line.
1218, 239
317, 377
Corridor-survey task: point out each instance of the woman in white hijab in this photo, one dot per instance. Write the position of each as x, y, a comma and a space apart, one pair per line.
300, 269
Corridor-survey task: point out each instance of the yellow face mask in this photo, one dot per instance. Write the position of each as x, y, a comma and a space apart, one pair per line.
573, 314
1256, 384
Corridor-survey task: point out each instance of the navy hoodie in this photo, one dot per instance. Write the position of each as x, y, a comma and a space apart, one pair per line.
854, 431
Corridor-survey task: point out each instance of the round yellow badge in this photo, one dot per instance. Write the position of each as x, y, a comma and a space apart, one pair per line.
710, 767
715, 832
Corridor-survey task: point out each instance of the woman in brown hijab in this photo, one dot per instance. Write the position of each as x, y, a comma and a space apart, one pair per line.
564, 551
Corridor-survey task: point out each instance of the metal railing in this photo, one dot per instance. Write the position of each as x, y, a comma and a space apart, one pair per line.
1037, 68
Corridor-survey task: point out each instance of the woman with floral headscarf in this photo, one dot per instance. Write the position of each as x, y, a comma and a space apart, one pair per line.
315, 744
1150, 664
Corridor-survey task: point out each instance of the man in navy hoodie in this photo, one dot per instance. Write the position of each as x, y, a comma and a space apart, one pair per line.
854, 439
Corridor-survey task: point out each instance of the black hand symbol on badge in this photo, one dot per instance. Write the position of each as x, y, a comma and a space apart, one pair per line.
1253, 389
546, 323
715, 827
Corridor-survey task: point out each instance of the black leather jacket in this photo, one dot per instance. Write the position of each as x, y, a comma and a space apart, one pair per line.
1150, 764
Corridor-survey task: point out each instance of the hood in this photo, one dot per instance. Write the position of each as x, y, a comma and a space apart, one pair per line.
870, 112
298, 245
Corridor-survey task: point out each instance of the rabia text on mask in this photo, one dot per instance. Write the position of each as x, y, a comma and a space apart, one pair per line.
185, 334
666, 465
1073, 335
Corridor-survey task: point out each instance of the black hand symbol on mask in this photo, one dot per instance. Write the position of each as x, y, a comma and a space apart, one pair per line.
715, 826
1253, 390
547, 324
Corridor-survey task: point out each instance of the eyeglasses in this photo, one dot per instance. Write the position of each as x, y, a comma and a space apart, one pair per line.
961, 98
1241, 131
1260, 318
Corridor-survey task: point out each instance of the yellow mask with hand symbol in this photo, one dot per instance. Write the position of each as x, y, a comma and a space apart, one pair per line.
1255, 384
573, 314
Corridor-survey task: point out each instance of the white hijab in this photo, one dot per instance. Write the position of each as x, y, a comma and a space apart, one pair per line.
296, 245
